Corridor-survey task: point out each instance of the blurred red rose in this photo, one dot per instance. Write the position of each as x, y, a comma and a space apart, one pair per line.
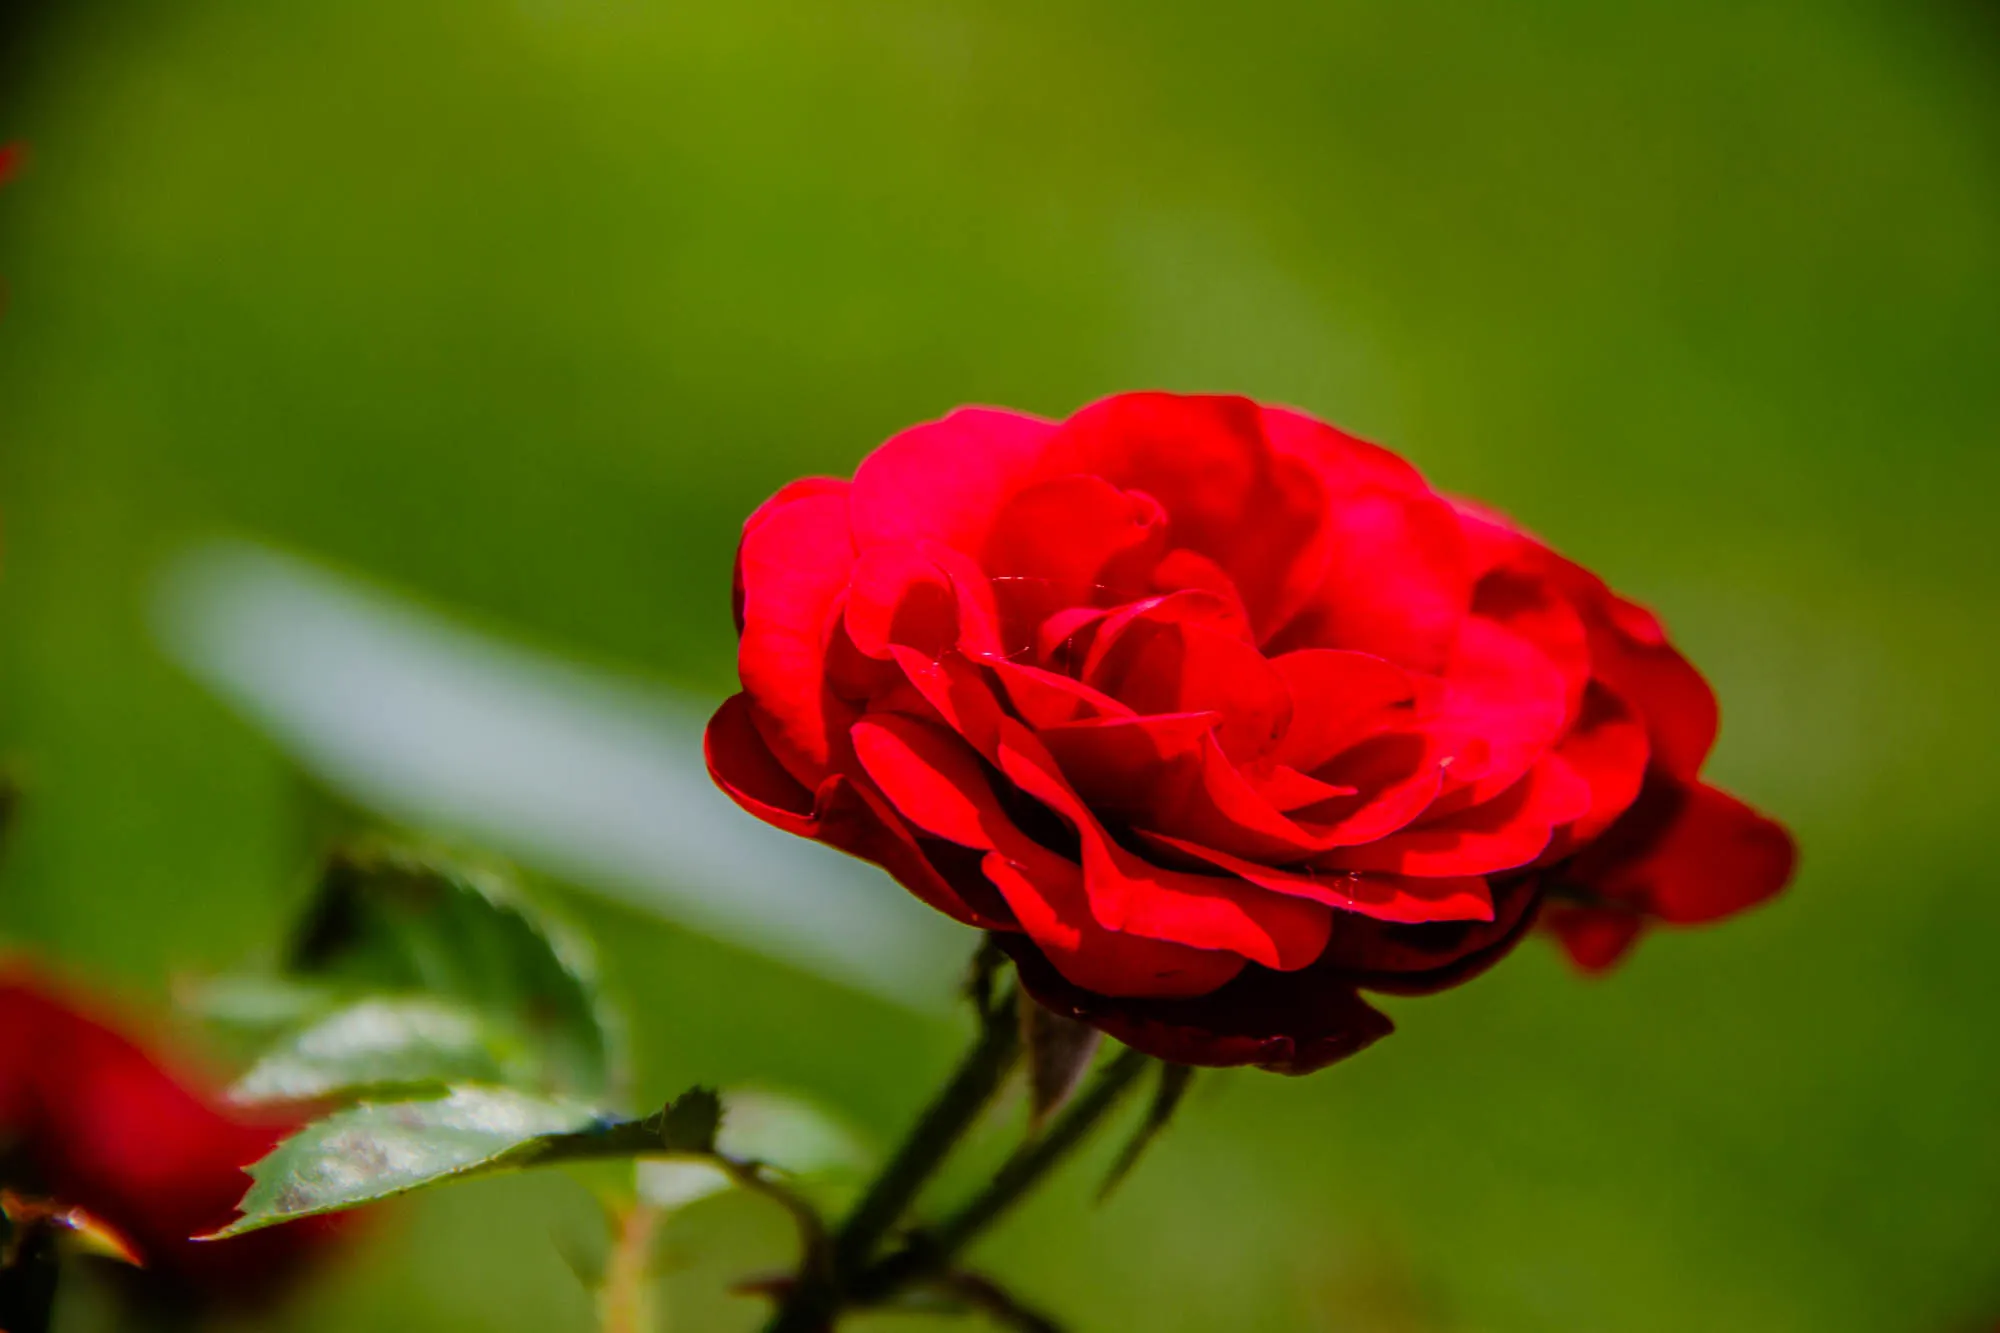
11, 157
1219, 715
91, 1119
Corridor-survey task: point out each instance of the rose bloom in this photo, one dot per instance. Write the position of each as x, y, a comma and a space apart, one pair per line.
91, 1119
1217, 716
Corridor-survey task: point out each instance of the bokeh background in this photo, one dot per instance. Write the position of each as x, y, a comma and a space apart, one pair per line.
520, 306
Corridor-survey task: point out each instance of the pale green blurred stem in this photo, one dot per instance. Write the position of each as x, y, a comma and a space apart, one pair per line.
625, 1303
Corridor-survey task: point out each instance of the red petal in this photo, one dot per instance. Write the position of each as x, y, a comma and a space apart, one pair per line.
1396, 581
1228, 494
1663, 687
1073, 541
1155, 661
1402, 898
1688, 855
795, 561
1422, 959
1530, 607
1129, 894
1338, 700
1629, 651
1049, 900
1346, 463
1045, 699
1504, 695
802, 489
1508, 831
1291, 1023
936, 781
1398, 776
927, 597
1594, 937
838, 813
945, 481
1607, 749
1288, 789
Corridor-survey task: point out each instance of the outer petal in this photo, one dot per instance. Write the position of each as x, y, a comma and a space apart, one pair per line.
937, 782
1629, 651
1688, 855
802, 489
945, 481
1290, 1023
1595, 938
795, 560
1607, 749
838, 812
1425, 959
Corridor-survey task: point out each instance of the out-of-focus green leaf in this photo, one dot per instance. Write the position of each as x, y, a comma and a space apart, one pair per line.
388, 922
255, 1005
380, 1047
378, 1150
689, 1122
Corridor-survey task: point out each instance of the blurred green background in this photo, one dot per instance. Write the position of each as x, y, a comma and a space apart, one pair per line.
522, 306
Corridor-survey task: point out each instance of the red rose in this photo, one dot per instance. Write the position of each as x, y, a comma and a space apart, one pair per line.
90, 1119
1217, 715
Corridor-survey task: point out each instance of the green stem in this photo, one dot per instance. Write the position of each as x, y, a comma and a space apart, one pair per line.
936, 1249
815, 1299
625, 1305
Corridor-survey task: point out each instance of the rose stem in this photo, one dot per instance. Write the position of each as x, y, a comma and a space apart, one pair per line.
934, 1249
625, 1303
814, 1301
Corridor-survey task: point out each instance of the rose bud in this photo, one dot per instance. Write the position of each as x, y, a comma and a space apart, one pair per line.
91, 1119
1217, 716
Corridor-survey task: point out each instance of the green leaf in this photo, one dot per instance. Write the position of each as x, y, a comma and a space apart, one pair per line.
379, 1048
689, 1122
255, 1006
1174, 1080
769, 1129
390, 922
378, 1150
